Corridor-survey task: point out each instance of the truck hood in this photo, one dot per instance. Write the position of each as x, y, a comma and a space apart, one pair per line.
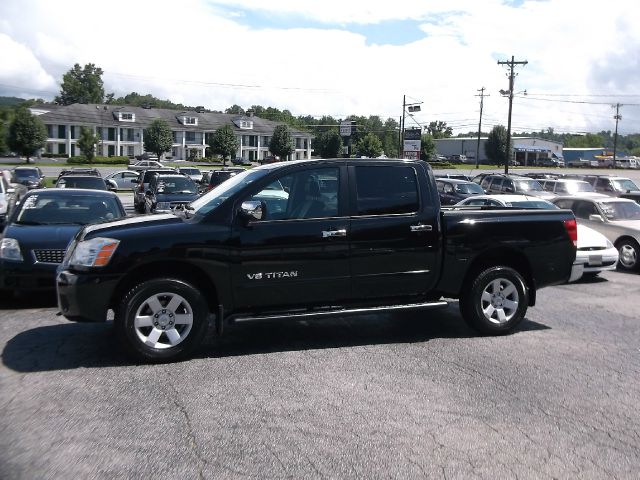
130, 223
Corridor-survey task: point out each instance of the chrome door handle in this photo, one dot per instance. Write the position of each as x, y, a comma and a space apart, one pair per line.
334, 233
421, 228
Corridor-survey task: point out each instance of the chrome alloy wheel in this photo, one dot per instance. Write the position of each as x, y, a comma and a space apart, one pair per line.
628, 256
499, 301
163, 320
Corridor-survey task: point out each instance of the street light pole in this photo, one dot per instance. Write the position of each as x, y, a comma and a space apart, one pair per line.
482, 95
618, 117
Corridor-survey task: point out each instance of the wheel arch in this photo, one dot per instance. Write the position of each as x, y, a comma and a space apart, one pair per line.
168, 269
506, 258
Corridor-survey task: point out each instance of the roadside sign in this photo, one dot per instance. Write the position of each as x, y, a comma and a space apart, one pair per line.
345, 128
411, 145
411, 155
413, 134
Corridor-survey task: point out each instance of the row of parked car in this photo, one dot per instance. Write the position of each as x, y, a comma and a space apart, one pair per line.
606, 207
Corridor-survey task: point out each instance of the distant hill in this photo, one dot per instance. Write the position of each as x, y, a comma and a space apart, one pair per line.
11, 101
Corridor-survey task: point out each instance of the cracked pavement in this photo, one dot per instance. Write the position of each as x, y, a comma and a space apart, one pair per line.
412, 395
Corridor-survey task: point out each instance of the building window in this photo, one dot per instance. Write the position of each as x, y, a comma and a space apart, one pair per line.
130, 151
190, 137
62, 148
111, 134
62, 132
72, 128
127, 117
190, 121
49, 131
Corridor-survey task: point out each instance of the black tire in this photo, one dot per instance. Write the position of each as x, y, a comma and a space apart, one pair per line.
629, 251
173, 317
506, 293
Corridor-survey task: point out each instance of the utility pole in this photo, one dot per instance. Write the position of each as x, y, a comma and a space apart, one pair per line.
511, 63
401, 146
618, 117
482, 95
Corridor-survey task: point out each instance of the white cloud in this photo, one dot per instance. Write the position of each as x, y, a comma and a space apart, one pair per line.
21, 72
204, 53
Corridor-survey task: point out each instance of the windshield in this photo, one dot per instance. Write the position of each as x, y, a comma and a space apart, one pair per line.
625, 185
176, 185
575, 187
620, 210
534, 204
25, 174
45, 209
528, 185
190, 171
94, 183
469, 188
219, 194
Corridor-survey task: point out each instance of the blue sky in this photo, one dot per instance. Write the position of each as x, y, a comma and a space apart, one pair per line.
334, 57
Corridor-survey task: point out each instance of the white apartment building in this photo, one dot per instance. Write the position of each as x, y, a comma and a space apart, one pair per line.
121, 131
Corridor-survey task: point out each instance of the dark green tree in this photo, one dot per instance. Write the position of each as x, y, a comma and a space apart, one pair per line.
81, 85
27, 133
87, 142
158, 138
427, 147
235, 109
369, 146
224, 142
281, 142
496, 145
328, 144
439, 129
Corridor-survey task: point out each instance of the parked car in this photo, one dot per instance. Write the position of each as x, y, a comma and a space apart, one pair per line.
457, 176
578, 163
19, 190
517, 201
452, 191
144, 165
141, 185
7, 201
30, 177
354, 236
613, 186
566, 186
85, 181
169, 191
241, 161
618, 219
80, 171
549, 162
39, 230
123, 178
216, 177
499, 183
192, 172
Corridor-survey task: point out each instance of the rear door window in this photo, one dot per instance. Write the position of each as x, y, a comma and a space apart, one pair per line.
386, 190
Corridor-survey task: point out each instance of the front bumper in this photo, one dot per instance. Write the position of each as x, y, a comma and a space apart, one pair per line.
85, 297
23, 276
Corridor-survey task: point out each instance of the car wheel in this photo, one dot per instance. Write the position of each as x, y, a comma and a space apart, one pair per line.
629, 251
161, 320
496, 301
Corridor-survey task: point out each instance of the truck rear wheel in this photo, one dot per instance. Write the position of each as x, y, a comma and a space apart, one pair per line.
162, 320
496, 301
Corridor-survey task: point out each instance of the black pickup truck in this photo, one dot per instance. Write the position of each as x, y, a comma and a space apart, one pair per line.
301, 239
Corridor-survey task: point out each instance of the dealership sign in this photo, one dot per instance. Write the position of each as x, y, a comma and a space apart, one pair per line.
412, 144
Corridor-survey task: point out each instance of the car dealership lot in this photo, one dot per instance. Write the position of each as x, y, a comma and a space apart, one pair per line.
404, 396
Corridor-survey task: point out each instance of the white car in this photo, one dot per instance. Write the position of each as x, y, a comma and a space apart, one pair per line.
595, 252
520, 201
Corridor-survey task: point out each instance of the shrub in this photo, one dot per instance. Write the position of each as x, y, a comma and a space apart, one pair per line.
104, 160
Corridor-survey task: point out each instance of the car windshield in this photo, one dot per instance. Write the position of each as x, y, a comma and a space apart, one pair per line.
219, 194
528, 185
534, 204
190, 171
94, 183
469, 188
621, 210
47, 209
176, 185
26, 174
575, 187
625, 185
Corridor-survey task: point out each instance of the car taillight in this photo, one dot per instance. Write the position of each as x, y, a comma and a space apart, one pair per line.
572, 229
141, 187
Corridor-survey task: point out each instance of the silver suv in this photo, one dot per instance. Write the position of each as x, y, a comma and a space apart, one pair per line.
501, 184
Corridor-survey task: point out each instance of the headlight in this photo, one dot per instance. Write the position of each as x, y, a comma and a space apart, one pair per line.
95, 252
163, 206
10, 250
609, 244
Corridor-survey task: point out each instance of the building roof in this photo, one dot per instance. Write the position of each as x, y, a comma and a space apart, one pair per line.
103, 115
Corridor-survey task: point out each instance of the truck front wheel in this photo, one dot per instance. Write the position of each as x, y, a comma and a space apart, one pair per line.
496, 301
161, 320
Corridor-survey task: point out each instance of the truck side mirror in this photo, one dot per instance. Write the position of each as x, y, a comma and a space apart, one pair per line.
253, 210
594, 217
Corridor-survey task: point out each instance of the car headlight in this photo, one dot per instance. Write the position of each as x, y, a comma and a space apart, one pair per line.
95, 252
609, 244
10, 250
163, 206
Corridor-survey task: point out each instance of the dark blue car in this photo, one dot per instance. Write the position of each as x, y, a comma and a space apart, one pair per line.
168, 192
39, 230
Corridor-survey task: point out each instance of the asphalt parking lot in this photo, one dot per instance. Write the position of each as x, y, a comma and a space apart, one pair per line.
401, 396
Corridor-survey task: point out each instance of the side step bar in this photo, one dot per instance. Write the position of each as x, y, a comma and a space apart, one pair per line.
308, 314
